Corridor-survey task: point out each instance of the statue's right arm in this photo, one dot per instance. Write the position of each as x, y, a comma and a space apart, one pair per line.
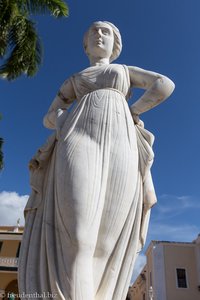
62, 102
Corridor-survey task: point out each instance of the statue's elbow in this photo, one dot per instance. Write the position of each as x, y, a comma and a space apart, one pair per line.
166, 86
47, 122
170, 85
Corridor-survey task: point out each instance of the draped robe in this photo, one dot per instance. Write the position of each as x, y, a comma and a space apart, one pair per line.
88, 214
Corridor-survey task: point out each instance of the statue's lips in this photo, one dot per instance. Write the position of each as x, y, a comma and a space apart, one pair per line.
99, 42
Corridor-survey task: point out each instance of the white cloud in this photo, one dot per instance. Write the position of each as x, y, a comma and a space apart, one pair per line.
175, 218
171, 206
11, 208
181, 202
189, 202
171, 232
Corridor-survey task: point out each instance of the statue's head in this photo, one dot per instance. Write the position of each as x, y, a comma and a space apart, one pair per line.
103, 39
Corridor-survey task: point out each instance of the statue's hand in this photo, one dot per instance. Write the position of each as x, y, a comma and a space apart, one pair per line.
33, 164
62, 114
137, 120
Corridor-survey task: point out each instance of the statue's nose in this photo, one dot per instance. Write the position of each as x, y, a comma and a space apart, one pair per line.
99, 32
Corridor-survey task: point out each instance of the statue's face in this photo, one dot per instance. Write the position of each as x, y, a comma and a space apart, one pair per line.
100, 40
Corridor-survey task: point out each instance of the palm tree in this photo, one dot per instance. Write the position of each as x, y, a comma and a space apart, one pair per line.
20, 46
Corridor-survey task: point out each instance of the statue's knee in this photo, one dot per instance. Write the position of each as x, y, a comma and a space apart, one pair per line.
103, 249
82, 246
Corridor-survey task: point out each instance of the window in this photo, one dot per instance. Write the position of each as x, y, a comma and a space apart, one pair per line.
181, 278
150, 278
17, 254
1, 244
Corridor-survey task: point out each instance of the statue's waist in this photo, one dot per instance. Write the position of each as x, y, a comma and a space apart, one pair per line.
106, 89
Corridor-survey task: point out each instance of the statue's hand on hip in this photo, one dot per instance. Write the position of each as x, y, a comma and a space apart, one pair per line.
137, 120
60, 119
33, 164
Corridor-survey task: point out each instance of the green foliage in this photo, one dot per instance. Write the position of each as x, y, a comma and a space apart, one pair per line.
20, 46
57, 8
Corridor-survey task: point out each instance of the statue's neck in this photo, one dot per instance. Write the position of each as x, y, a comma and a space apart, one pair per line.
97, 61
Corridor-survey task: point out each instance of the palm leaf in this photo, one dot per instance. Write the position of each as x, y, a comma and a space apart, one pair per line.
8, 10
58, 8
19, 44
25, 55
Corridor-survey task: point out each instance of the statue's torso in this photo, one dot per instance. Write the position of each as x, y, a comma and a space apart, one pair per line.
101, 77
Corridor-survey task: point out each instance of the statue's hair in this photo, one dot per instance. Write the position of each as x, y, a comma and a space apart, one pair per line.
117, 47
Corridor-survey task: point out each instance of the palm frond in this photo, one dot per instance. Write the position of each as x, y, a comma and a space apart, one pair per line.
25, 56
3, 41
58, 8
8, 10
20, 46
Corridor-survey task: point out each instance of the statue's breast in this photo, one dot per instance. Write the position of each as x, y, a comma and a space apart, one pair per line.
100, 77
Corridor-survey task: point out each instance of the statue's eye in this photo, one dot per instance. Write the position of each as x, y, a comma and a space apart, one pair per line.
93, 31
105, 31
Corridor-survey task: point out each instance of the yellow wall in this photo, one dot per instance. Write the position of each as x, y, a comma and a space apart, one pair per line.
181, 256
6, 278
163, 258
9, 248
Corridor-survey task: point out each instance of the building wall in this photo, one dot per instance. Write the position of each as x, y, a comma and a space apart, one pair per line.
138, 290
10, 239
197, 253
8, 283
163, 258
158, 281
6, 278
181, 256
9, 248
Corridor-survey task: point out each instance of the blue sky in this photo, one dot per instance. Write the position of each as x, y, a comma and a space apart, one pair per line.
158, 35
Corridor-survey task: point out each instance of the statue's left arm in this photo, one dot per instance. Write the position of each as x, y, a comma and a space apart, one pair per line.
158, 88
62, 102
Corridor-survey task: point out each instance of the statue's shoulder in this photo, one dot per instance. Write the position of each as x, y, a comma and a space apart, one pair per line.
78, 73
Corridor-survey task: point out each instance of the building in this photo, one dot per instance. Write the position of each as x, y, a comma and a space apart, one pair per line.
10, 241
172, 272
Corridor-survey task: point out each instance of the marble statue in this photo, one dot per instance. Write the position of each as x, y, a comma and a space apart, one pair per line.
92, 191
